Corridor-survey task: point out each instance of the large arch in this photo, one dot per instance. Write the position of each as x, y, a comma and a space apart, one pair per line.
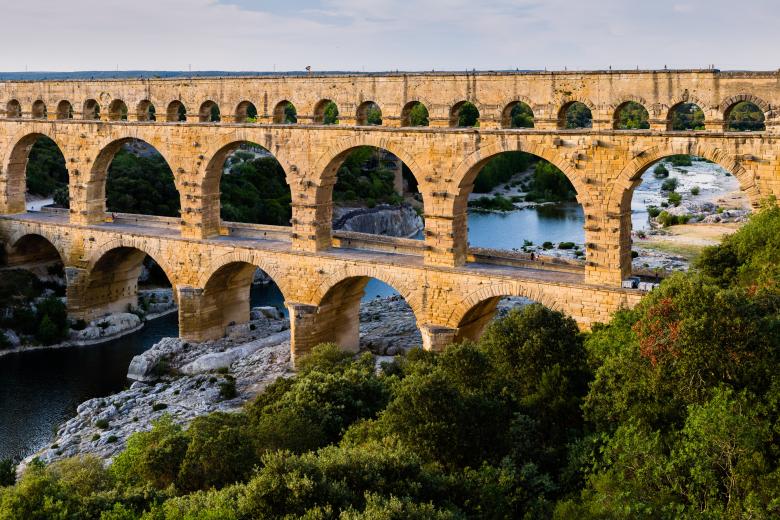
338, 303
24, 247
95, 194
218, 153
13, 200
471, 315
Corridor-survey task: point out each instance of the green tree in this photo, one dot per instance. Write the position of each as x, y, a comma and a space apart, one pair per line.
468, 115
577, 115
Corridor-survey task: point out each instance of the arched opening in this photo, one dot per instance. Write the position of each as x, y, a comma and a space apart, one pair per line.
37, 175
146, 111
133, 178
744, 116
64, 110
125, 280
680, 204
91, 109
33, 307
464, 114
246, 112
414, 114
252, 185
355, 314
13, 109
685, 116
517, 115
326, 113
176, 112
474, 322
285, 113
631, 116
39, 110
209, 112
522, 209
575, 114
117, 110
239, 298
369, 114
375, 193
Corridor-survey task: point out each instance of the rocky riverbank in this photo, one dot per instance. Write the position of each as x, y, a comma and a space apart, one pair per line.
396, 221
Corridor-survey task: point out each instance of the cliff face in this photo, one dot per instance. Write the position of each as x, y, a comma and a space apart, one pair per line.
394, 221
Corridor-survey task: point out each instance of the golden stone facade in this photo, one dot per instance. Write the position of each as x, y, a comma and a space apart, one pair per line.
321, 275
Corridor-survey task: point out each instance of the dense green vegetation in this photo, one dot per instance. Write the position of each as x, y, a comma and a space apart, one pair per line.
577, 115
670, 411
330, 114
418, 115
366, 178
687, 116
46, 171
632, 116
745, 117
255, 190
468, 115
142, 185
550, 184
31, 308
521, 116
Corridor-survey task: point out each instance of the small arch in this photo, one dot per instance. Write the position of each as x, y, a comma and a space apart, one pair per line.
246, 112
464, 114
32, 248
176, 112
39, 110
414, 113
575, 114
146, 111
685, 116
744, 116
285, 113
369, 114
209, 112
517, 114
13, 109
91, 109
117, 110
64, 110
326, 112
630, 115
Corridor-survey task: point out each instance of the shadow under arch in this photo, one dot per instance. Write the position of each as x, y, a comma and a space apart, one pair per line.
12, 199
96, 202
24, 248
338, 304
111, 278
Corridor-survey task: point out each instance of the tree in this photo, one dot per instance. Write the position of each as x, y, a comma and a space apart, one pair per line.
468, 115
418, 115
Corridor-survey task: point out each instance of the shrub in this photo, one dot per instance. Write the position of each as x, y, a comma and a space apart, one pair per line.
547, 245
653, 211
7, 472
227, 388
670, 184
660, 171
102, 424
156, 407
566, 245
695, 190
675, 198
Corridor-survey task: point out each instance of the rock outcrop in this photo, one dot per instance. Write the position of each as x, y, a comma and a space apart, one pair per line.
395, 221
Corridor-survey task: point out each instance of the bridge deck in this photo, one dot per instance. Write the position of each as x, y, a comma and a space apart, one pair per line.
546, 274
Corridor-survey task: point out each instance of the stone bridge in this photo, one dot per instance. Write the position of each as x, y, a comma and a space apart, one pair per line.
452, 291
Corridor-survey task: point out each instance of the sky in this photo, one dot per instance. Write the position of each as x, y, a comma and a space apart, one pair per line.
381, 35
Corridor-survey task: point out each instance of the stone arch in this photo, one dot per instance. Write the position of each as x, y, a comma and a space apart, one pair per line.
616, 107
566, 102
473, 312
95, 193
14, 167
730, 103
244, 110
39, 110
675, 103
403, 285
13, 109
217, 154
117, 110
258, 260
506, 113
319, 111
467, 170
145, 111
209, 112
64, 110
455, 112
361, 117
141, 244
17, 239
280, 114
407, 110
90, 109
176, 111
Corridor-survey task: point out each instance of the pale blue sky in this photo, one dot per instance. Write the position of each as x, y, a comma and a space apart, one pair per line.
61, 35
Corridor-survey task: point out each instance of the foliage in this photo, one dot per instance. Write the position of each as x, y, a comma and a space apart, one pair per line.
330, 114
675, 198
670, 184
256, 191
550, 184
521, 116
632, 116
687, 116
365, 175
418, 115
7, 472
497, 203
577, 115
680, 160
46, 171
500, 169
468, 115
142, 185
660, 171
745, 116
